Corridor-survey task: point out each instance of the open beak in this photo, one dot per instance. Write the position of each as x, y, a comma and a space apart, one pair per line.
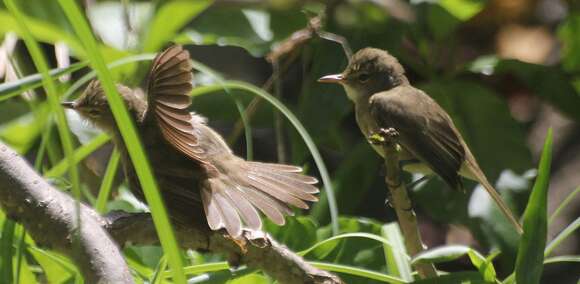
69, 105
336, 79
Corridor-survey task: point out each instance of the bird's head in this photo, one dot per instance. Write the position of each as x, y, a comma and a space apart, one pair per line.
93, 105
370, 71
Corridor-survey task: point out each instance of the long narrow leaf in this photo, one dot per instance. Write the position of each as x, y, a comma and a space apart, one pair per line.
13, 88
129, 134
563, 205
107, 183
357, 272
52, 96
530, 258
78, 155
396, 257
562, 236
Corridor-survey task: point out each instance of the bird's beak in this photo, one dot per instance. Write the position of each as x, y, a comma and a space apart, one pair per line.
69, 105
336, 79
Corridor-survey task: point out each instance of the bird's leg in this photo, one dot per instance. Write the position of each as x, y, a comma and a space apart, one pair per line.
383, 136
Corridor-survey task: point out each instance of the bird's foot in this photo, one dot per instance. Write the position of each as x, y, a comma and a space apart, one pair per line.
383, 136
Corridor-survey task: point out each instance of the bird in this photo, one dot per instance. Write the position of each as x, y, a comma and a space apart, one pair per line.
198, 174
384, 99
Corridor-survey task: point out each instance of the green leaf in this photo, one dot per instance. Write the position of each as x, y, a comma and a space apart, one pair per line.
529, 262
396, 256
253, 278
55, 268
562, 236
562, 258
107, 183
547, 82
301, 226
129, 134
462, 9
453, 252
52, 97
13, 88
364, 273
170, 18
569, 34
454, 278
78, 155
441, 254
563, 204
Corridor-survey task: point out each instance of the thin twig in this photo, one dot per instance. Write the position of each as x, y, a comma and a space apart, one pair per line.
400, 201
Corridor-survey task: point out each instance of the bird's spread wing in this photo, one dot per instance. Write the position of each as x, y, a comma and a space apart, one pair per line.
168, 87
233, 190
424, 127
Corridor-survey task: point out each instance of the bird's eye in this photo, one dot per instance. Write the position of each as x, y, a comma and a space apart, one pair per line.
363, 77
94, 112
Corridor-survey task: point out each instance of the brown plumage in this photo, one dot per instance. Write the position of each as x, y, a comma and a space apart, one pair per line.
197, 172
383, 98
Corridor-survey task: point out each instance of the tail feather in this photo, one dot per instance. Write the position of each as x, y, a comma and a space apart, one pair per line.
276, 191
474, 172
220, 212
248, 213
233, 201
501, 204
296, 187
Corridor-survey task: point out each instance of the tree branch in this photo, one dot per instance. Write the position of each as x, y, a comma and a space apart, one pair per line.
48, 216
256, 249
401, 203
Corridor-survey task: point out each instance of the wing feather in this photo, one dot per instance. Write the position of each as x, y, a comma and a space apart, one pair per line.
424, 127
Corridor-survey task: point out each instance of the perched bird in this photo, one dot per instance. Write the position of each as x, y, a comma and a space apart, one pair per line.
196, 171
383, 98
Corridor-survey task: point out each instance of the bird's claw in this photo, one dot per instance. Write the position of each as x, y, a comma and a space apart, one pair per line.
383, 135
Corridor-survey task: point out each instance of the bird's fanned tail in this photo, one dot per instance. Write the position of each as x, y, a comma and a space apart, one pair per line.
233, 202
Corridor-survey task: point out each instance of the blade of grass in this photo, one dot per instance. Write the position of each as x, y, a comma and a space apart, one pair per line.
13, 88
562, 236
78, 155
157, 275
530, 258
53, 101
562, 258
236, 85
396, 257
107, 183
563, 205
351, 235
129, 134
117, 63
357, 272
203, 268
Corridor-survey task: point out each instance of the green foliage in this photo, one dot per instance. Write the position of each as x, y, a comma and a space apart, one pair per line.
359, 244
529, 263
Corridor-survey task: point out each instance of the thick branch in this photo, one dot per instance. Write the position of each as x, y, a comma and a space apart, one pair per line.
49, 217
257, 250
402, 205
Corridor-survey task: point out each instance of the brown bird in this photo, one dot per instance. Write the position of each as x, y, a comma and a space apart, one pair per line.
193, 165
383, 98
